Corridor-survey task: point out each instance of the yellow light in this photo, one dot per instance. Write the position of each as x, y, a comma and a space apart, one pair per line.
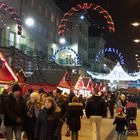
135, 24
136, 40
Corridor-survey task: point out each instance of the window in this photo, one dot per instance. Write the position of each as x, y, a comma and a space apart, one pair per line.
52, 17
70, 25
80, 27
57, 21
12, 39
31, 43
94, 45
39, 9
69, 39
39, 27
46, 12
32, 3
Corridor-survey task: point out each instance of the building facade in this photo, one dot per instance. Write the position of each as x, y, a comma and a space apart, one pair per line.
76, 35
95, 44
36, 38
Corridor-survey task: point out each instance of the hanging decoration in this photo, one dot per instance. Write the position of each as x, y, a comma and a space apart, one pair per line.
12, 12
76, 61
84, 7
112, 51
117, 74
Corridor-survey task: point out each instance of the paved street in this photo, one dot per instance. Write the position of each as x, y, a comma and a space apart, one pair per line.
108, 132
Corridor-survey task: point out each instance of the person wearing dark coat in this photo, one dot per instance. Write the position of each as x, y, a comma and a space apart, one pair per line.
71, 95
47, 125
33, 106
2, 99
120, 122
74, 114
15, 111
95, 109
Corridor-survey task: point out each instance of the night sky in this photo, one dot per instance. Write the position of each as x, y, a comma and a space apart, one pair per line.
123, 13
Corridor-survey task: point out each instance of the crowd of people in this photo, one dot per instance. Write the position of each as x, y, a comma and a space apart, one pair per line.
41, 115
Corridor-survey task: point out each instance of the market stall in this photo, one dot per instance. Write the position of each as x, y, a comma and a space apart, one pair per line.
48, 80
7, 75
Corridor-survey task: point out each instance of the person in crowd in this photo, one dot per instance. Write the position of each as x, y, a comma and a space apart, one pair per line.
48, 122
2, 98
71, 95
15, 111
74, 114
111, 105
41, 91
122, 102
120, 122
105, 98
95, 111
43, 98
27, 95
82, 100
34, 106
63, 104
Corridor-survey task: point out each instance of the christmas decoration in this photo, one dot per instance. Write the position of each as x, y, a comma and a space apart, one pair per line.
12, 12
84, 7
117, 74
112, 51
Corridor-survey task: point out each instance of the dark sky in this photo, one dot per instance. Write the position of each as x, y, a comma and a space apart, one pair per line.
123, 13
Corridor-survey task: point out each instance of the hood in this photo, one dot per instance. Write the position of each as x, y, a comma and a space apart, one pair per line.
75, 104
58, 109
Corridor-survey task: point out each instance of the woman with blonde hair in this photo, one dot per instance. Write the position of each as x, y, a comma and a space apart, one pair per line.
33, 105
47, 125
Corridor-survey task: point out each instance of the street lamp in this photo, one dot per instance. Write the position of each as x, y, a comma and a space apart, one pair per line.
135, 24
62, 41
136, 40
29, 22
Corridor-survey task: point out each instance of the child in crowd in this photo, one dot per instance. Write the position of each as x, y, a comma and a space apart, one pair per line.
121, 123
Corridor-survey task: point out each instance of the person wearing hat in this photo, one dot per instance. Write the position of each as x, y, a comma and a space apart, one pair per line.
121, 123
15, 111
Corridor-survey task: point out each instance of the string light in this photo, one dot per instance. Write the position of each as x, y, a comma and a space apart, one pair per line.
13, 13
69, 49
112, 51
117, 74
86, 6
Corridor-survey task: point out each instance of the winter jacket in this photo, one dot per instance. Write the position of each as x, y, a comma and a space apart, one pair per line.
75, 111
95, 106
14, 111
32, 115
120, 121
47, 125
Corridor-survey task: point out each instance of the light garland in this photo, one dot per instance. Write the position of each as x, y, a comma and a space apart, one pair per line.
86, 6
117, 74
70, 49
110, 50
13, 13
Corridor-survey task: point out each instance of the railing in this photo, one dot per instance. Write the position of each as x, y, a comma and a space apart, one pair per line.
26, 49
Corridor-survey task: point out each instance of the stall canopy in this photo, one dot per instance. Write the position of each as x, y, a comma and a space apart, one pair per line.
88, 85
76, 81
117, 74
6, 73
49, 78
20, 74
